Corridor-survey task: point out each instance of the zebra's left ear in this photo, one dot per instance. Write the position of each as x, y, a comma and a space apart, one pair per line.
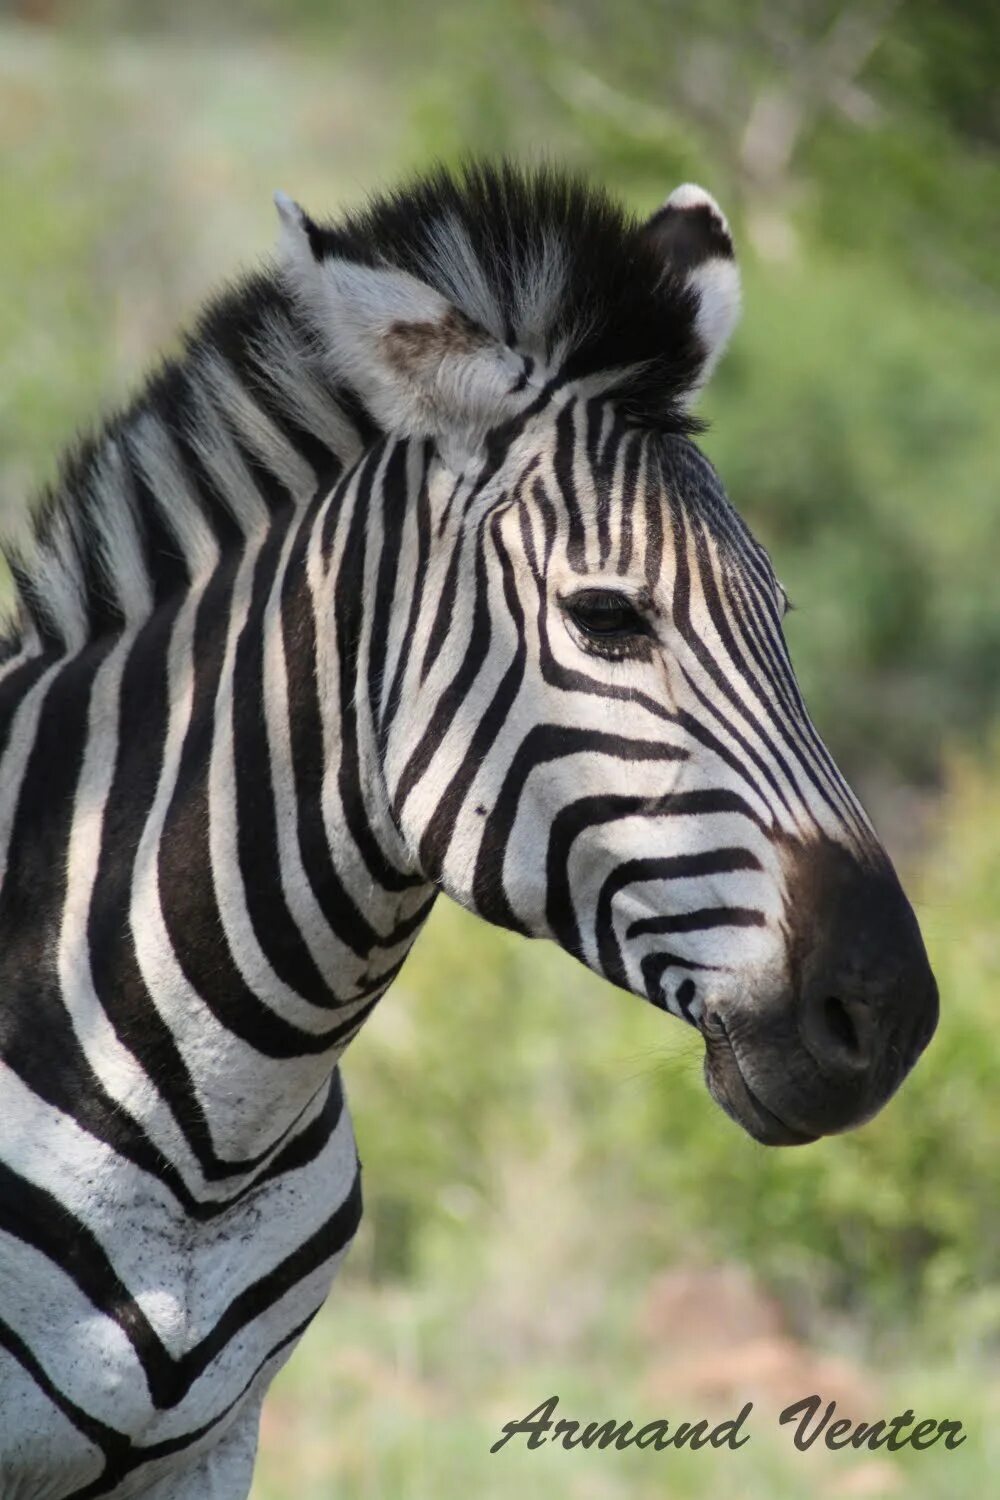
421, 366
691, 235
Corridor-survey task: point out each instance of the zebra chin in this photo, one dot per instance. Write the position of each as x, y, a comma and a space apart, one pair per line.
781, 1097
729, 1088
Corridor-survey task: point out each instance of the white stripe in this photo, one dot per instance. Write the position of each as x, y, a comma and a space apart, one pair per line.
119, 1071
57, 579
270, 445
227, 876
156, 455
20, 743
233, 481
331, 956
231, 1077
286, 364
118, 540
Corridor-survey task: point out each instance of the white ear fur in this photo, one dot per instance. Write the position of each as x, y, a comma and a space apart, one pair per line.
294, 248
422, 368
718, 286
694, 236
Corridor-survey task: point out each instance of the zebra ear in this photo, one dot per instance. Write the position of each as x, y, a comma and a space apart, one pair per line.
691, 235
421, 366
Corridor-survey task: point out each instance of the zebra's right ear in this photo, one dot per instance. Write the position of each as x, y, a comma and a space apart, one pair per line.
691, 236
422, 367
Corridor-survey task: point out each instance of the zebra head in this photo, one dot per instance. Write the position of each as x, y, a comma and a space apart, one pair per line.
579, 703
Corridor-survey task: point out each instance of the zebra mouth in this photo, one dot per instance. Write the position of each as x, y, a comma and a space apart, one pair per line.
728, 1086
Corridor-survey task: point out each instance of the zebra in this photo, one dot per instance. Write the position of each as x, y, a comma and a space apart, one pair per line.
405, 576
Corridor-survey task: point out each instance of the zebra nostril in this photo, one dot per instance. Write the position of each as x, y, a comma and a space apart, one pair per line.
838, 1031
840, 1025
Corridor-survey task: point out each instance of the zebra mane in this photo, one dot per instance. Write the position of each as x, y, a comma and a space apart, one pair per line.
246, 418
240, 422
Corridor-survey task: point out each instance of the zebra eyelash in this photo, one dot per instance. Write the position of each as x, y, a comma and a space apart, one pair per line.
785, 605
630, 639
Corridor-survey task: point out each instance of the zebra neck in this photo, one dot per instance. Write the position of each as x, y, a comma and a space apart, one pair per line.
323, 632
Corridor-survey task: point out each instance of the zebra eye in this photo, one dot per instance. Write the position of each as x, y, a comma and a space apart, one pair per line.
606, 620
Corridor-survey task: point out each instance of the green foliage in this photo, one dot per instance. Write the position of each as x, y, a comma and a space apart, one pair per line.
367, 1410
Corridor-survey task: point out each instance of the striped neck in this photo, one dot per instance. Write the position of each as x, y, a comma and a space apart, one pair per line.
188, 717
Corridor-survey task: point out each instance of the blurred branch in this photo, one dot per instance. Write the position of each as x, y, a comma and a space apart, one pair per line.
755, 97
827, 76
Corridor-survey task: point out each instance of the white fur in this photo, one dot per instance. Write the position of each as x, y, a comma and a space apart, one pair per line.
285, 359
462, 275
692, 195
210, 439
120, 544
59, 584
156, 456
718, 285
235, 405
538, 291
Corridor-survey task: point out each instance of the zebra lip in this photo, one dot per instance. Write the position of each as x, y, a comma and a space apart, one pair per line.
728, 1086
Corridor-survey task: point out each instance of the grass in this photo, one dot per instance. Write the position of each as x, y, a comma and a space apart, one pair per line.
393, 1394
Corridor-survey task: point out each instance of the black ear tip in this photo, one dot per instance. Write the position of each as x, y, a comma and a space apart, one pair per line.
690, 228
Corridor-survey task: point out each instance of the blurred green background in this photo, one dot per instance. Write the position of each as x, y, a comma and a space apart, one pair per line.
553, 1203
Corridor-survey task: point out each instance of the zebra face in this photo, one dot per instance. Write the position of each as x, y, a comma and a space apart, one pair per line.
587, 725
649, 791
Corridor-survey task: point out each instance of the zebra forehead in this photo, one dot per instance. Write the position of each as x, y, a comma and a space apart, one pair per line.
675, 475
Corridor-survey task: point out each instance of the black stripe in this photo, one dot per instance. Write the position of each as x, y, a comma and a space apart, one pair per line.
543, 743
701, 920
39, 1219
190, 912
590, 812
563, 470
257, 833
423, 525
348, 617
724, 861
438, 832
299, 640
